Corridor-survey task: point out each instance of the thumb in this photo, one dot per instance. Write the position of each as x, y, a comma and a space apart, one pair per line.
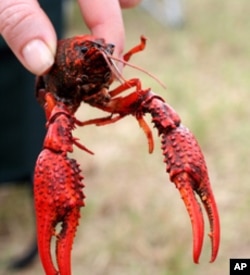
29, 33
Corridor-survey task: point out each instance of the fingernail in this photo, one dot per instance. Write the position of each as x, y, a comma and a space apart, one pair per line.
38, 57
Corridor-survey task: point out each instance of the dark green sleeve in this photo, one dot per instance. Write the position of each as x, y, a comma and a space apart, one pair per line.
21, 118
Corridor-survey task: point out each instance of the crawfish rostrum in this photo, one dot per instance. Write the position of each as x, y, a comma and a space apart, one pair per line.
83, 71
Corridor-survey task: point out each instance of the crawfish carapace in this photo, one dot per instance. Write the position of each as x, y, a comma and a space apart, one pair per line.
83, 70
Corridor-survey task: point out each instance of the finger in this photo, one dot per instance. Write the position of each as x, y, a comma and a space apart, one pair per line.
29, 33
104, 19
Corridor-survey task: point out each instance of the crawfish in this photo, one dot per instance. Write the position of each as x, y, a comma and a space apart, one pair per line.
83, 71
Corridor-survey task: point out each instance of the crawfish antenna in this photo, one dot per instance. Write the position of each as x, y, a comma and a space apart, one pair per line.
113, 67
137, 68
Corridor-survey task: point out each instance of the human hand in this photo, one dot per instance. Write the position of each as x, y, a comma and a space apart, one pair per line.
32, 38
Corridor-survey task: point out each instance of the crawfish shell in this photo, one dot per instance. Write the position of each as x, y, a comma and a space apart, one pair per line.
80, 69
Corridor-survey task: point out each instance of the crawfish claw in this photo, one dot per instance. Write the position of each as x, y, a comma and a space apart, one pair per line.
58, 199
58, 192
182, 182
187, 169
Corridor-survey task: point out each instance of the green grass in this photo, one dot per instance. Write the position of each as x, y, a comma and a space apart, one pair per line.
135, 222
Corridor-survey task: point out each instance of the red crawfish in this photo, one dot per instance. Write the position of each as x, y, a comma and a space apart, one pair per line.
83, 71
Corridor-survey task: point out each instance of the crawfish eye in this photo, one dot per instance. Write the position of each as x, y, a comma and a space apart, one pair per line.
107, 76
84, 49
110, 48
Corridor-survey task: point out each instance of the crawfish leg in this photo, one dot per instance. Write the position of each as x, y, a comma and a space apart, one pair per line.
136, 49
122, 106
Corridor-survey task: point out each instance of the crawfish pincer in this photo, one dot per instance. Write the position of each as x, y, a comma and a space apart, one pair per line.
58, 189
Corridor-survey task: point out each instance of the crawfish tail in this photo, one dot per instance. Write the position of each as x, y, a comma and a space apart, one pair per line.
187, 169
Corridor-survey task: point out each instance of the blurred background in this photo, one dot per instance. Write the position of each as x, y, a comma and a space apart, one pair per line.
134, 222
